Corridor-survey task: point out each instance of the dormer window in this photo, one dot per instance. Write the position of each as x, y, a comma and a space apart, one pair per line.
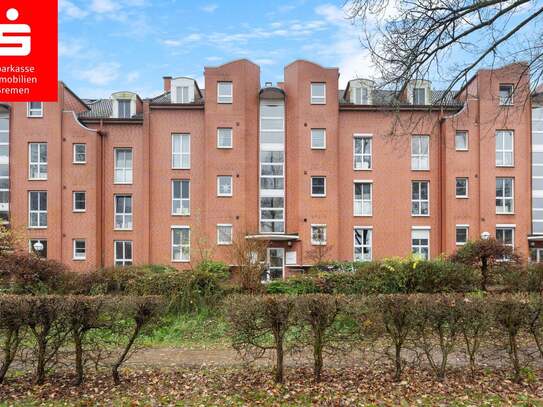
506, 95
182, 94
361, 95
419, 96
124, 108
224, 92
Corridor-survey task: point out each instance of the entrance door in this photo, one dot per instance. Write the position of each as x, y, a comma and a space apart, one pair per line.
276, 263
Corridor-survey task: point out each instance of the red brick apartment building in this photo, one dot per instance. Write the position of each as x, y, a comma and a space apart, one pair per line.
128, 180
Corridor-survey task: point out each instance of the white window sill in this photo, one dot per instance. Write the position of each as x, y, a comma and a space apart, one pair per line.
420, 169
505, 166
123, 183
462, 149
79, 162
318, 196
224, 244
362, 169
79, 211
37, 227
505, 213
318, 148
420, 216
363, 216
180, 261
79, 258
37, 179
318, 244
224, 147
462, 197
123, 229
181, 214
225, 196
35, 116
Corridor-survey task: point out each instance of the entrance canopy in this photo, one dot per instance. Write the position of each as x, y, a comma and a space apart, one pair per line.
274, 237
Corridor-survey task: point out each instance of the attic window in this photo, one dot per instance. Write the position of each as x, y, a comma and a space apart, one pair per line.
361, 95
506, 95
419, 96
124, 108
182, 94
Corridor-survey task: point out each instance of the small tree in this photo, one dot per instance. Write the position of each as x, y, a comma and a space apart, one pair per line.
11, 240
13, 314
248, 256
319, 254
486, 254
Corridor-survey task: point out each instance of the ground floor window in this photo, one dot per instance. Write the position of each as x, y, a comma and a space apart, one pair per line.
506, 235
80, 249
181, 244
123, 253
224, 234
420, 243
363, 244
462, 234
318, 234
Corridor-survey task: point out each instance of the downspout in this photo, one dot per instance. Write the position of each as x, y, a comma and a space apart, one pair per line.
102, 195
442, 184
61, 177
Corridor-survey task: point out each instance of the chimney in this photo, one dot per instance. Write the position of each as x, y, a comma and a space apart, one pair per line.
167, 83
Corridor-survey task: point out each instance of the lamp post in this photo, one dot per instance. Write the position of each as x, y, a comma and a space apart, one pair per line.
38, 247
485, 235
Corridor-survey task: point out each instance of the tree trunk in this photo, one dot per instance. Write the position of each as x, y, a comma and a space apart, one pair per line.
279, 359
484, 273
78, 343
317, 359
119, 362
40, 366
398, 361
11, 344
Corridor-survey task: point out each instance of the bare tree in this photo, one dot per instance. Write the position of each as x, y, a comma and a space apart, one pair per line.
418, 39
249, 255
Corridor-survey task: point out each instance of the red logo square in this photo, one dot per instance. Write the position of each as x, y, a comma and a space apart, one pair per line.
29, 51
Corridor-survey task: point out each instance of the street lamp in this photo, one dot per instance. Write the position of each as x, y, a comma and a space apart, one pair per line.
485, 235
38, 247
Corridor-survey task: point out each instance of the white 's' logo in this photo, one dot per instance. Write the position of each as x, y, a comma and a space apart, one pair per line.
10, 44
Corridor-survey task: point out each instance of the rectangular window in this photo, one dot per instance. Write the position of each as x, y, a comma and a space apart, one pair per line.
34, 109
224, 234
224, 185
123, 253
318, 139
180, 151
318, 93
80, 249
37, 209
37, 161
181, 244
506, 95
123, 165
504, 148
123, 212
420, 153
224, 137
462, 234
362, 152
360, 95
461, 141
79, 201
224, 92
38, 247
419, 96
362, 199
124, 108
506, 235
80, 153
420, 198
363, 244
181, 197
182, 94
505, 195
318, 235
272, 215
420, 243
318, 186
461, 187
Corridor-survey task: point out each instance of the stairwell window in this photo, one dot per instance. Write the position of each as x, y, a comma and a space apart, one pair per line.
505, 196
318, 235
123, 212
362, 198
34, 109
37, 159
318, 139
224, 234
318, 93
362, 152
504, 148
318, 187
461, 187
224, 185
420, 198
224, 92
123, 165
461, 141
180, 244
79, 201
80, 153
224, 137
181, 151
37, 209
363, 243
506, 95
79, 249
181, 197
462, 234
420, 153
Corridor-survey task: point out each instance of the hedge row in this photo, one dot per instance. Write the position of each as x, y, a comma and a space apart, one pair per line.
41, 330
431, 326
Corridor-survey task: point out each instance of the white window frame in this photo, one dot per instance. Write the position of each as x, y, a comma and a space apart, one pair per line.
504, 198
123, 102
181, 245
317, 100
426, 229
419, 157
38, 211
34, 113
184, 139
363, 203
466, 227
125, 170
466, 133
75, 255
221, 177
179, 95
323, 195
358, 95
508, 101
420, 200
225, 98
224, 242
181, 199
325, 234
313, 146
123, 215
362, 155
511, 227
74, 200
501, 150
414, 93
123, 262
41, 176
362, 246
74, 158
219, 138
467, 188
